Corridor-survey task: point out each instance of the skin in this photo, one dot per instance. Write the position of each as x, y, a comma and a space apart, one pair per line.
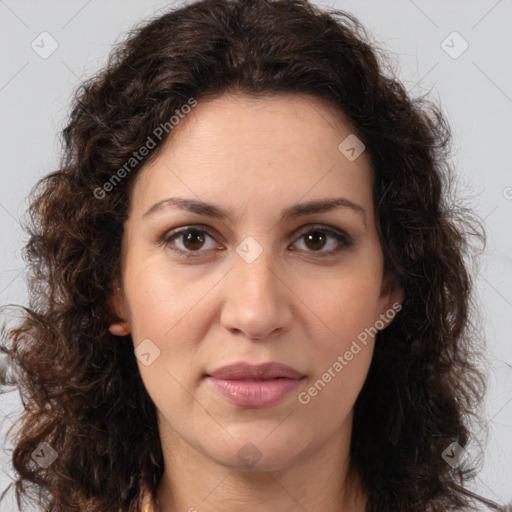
254, 157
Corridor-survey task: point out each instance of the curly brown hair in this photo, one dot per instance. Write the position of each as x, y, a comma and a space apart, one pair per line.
80, 384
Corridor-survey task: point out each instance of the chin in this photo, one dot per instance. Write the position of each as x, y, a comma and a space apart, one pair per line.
260, 455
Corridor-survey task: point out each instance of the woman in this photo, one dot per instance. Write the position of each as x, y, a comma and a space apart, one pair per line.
248, 284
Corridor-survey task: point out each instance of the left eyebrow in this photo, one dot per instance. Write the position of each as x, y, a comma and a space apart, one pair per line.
295, 211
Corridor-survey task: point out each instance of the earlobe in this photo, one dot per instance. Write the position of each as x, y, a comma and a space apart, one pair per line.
119, 329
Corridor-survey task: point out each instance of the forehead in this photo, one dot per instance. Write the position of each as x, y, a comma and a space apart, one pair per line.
279, 147
250, 121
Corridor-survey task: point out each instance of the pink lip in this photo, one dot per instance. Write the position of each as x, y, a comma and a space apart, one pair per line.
262, 393
255, 386
246, 371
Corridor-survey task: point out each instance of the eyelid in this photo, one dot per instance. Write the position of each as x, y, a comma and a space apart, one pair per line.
340, 235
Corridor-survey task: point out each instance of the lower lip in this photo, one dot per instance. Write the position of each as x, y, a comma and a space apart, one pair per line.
262, 393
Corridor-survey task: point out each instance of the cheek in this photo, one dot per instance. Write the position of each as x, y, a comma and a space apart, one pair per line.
161, 296
167, 317
343, 307
343, 312
341, 367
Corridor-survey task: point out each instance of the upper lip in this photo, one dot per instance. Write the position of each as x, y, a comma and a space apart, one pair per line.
240, 371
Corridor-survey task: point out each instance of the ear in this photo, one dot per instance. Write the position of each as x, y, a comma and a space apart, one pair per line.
390, 302
120, 326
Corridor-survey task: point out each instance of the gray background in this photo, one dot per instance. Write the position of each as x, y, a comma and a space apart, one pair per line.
474, 90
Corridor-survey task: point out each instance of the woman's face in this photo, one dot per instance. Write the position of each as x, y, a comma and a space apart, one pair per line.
258, 285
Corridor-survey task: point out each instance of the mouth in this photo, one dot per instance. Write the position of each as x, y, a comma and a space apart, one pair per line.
254, 386
255, 393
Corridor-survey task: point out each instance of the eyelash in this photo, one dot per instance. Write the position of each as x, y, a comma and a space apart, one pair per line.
169, 236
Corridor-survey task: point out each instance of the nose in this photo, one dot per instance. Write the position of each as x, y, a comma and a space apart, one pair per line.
258, 300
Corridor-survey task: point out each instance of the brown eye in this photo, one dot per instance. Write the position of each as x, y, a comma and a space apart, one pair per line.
191, 241
317, 239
